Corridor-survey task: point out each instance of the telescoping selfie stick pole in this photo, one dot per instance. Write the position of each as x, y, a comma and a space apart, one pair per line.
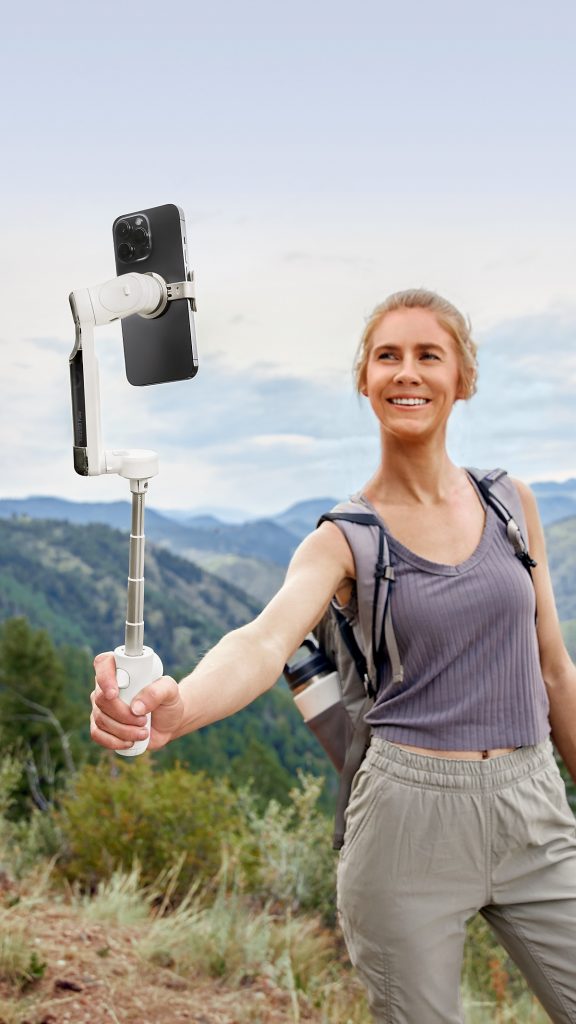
146, 295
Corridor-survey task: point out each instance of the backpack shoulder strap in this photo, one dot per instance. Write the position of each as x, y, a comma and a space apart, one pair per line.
367, 540
501, 494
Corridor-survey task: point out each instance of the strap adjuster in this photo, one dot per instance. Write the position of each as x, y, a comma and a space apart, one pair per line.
383, 571
526, 559
368, 687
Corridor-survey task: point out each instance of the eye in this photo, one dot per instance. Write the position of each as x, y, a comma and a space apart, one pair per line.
385, 355
430, 355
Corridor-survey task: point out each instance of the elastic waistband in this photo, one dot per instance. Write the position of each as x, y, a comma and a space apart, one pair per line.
459, 773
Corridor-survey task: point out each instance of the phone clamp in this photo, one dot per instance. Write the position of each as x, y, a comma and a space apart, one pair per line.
171, 292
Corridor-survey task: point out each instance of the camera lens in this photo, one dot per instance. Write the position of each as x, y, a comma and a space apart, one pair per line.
140, 235
123, 229
126, 252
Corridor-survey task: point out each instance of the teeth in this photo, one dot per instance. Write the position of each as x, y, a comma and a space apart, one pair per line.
409, 401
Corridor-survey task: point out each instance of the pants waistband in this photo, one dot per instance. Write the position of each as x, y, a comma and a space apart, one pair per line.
460, 774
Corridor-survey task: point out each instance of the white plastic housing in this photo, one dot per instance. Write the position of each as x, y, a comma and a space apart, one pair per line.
125, 296
91, 307
133, 674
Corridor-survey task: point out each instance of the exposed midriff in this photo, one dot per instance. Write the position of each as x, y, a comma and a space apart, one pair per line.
467, 755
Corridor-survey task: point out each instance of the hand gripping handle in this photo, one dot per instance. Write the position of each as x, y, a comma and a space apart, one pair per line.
133, 674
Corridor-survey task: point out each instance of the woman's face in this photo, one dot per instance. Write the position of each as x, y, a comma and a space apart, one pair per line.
413, 373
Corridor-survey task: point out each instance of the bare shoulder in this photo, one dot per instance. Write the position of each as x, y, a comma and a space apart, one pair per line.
530, 507
317, 570
524, 491
326, 544
554, 657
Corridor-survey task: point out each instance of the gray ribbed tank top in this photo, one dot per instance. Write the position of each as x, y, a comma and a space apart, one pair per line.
467, 640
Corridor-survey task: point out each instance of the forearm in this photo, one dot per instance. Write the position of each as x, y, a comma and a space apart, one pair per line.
238, 669
248, 661
562, 697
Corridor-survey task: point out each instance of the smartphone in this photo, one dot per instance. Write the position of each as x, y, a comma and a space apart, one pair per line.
161, 349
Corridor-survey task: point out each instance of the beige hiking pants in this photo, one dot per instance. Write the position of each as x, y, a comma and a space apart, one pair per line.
429, 842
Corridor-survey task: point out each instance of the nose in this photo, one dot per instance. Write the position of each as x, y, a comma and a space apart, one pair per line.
407, 372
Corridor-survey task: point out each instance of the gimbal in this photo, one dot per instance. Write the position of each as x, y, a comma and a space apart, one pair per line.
146, 295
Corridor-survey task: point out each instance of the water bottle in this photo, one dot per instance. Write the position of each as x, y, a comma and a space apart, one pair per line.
315, 686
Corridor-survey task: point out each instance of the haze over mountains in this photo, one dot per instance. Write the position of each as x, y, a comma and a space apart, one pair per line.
270, 537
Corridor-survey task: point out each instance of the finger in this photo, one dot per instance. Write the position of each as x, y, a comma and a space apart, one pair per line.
115, 728
162, 692
116, 710
106, 739
105, 666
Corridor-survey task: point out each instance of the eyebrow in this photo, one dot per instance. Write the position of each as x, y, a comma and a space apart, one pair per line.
420, 345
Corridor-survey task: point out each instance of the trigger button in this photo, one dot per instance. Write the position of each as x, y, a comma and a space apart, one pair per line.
122, 678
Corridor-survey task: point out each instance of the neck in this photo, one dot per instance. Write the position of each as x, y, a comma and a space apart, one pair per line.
418, 474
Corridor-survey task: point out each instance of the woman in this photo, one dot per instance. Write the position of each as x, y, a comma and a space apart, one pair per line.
459, 806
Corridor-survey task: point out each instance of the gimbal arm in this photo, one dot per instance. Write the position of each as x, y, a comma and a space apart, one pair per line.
145, 294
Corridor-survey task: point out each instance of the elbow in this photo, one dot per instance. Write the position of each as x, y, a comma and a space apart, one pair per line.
263, 654
559, 673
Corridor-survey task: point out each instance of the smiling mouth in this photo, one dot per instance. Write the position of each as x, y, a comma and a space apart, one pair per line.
408, 403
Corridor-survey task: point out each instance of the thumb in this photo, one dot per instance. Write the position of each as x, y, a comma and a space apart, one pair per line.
162, 692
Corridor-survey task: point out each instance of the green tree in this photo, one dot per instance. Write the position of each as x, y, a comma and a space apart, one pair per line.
35, 714
259, 766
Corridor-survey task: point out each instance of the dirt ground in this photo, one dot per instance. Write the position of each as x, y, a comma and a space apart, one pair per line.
93, 976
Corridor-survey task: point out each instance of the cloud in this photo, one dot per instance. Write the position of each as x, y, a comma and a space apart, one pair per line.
262, 437
261, 400
524, 415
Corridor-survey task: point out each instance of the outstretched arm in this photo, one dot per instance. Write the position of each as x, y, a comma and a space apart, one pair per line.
558, 668
244, 664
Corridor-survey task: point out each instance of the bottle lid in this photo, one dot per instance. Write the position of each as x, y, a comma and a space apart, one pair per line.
300, 669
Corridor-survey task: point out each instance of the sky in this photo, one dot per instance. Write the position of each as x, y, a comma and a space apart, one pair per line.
325, 155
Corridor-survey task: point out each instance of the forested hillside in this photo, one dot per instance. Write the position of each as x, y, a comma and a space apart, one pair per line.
561, 545
260, 538
71, 581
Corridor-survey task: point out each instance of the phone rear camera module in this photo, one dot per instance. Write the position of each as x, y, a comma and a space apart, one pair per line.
126, 252
132, 237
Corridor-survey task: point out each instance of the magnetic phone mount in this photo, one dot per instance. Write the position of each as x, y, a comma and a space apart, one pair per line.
170, 292
148, 296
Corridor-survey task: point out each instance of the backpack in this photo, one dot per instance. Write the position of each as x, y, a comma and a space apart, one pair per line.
356, 653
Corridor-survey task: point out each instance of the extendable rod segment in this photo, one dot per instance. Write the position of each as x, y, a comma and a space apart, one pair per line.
134, 637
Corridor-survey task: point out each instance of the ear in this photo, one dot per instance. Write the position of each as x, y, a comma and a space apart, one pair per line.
463, 391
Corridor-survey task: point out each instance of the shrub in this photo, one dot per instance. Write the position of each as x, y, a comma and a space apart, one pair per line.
118, 813
493, 987
26, 841
20, 965
287, 852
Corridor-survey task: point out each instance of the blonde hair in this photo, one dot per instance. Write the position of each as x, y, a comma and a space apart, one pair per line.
447, 316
